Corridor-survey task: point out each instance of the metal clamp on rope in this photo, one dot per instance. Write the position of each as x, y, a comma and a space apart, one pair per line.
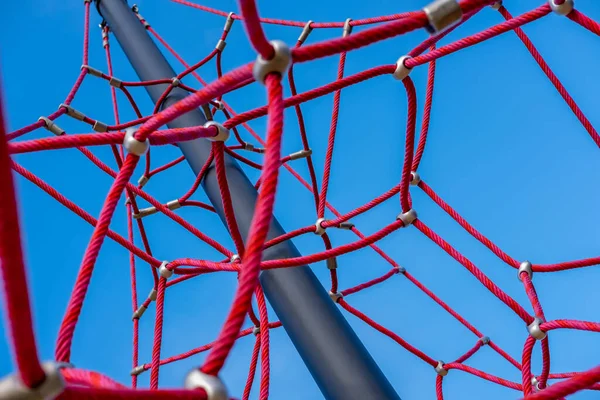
408, 217
229, 22
319, 228
256, 330
400, 269
152, 295
12, 388
144, 212
219, 105
71, 112
280, 63
484, 340
222, 132
137, 314
212, 385
525, 267
142, 181
305, 32
332, 263
402, 70
136, 11
164, 271
235, 258
134, 146
347, 27
441, 371
92, 71
175, 82
300, 154
221, 45
104, 38
442, 14
115, 82
335, 296
497, 5
535, 331
347, 225
100, 126
51, 126
415, 178
563, 8
137, 370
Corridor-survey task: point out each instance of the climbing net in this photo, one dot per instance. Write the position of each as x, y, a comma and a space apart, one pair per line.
130, 146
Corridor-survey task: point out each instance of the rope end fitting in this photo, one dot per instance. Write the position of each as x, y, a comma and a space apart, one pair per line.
442, 15
525, 267
535, 331
280, 63
164, 271
439, 368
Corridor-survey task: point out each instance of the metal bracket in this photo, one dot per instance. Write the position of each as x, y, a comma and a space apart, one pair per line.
12, 388
51, 126
442, 14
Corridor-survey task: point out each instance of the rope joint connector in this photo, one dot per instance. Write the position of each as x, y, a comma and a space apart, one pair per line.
562, 9
527, 268
137, 370
92, 71
408, 217
221, 45
137, 314
300, 154
164, 271
402, 70
134, 146
347, 27
222, 132
280, 63
332, 263
484, 340
71, 112
346, 225
11, 387
229, 22
235, 258
100, 127
535, 331
442, 14
335, 296
439, 368
496, 5
415, 178
319, 228
212, 385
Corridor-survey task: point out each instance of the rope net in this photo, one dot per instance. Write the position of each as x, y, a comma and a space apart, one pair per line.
247, 145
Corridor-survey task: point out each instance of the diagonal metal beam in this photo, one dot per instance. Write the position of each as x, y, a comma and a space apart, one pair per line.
336, 358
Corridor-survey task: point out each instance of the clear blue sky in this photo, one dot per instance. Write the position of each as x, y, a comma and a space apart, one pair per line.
504, 150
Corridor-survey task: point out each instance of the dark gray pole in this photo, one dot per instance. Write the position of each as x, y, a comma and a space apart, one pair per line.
334, 355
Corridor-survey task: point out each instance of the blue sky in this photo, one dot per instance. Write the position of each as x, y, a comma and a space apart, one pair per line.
504, 150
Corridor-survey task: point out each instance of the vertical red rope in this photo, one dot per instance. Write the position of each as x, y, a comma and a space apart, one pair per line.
158, 331
258, 230
14, 279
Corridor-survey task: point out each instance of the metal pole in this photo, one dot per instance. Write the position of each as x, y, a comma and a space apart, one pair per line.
337, 360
